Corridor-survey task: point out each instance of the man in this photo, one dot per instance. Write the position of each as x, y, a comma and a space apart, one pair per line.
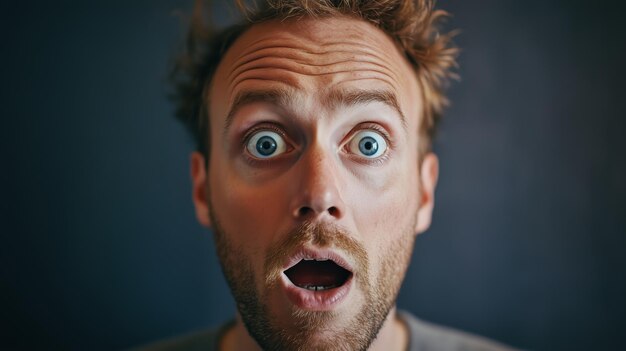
313, 168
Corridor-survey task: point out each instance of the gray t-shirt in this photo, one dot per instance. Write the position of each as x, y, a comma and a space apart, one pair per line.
423, 336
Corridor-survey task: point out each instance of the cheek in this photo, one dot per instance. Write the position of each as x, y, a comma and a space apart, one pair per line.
387, 212
386, 223
250, 214
247, 214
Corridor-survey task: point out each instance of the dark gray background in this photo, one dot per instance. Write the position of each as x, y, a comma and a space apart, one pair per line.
100, 248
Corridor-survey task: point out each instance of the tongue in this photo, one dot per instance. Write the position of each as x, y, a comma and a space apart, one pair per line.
317, 273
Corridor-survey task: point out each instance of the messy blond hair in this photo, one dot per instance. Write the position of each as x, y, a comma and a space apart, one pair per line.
412, 24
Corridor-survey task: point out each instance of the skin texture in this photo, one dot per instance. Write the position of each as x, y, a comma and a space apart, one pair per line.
318, 84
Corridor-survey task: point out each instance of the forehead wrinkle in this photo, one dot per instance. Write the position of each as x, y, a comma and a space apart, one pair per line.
288, 40
287, 66
347, 47
311, 68
263, 67
303, 51
290, 77
302, 54
282, 77
388, 82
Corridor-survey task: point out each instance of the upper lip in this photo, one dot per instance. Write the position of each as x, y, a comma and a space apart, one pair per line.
318, 254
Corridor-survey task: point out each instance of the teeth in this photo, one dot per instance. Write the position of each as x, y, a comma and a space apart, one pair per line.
315, 259
318, 288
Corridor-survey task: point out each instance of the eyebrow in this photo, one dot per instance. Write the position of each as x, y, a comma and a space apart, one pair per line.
286, 98
361, 97
276, 97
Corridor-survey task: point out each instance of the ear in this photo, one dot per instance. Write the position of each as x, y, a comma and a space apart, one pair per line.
199, 189
429, 172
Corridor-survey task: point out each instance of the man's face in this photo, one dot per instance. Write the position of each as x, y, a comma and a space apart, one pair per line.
313, 186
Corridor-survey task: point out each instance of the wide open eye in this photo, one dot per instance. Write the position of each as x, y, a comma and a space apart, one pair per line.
266, 144
368, 143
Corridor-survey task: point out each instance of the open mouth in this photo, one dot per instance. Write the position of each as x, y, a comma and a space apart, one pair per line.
318, 274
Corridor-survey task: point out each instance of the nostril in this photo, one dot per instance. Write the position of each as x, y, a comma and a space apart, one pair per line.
333, 211
304, 211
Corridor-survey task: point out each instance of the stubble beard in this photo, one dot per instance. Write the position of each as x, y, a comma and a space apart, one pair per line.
305, 327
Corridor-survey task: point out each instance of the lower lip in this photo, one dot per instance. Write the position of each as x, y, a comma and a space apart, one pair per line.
324, 300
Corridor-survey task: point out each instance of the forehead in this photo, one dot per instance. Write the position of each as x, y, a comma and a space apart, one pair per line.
314, 58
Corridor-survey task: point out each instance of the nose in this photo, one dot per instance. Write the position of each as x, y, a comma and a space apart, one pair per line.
317, 187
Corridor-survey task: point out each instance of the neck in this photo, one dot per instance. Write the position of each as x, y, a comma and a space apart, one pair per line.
393, 335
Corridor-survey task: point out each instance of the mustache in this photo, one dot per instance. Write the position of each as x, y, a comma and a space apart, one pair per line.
323, 235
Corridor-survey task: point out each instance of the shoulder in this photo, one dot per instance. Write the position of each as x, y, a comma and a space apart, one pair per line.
205, 340
425, 336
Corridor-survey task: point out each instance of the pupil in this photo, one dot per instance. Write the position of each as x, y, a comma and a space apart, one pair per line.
266, 146
368, 146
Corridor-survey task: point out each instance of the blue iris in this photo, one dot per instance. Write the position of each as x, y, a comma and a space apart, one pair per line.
266, 145
368, 146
